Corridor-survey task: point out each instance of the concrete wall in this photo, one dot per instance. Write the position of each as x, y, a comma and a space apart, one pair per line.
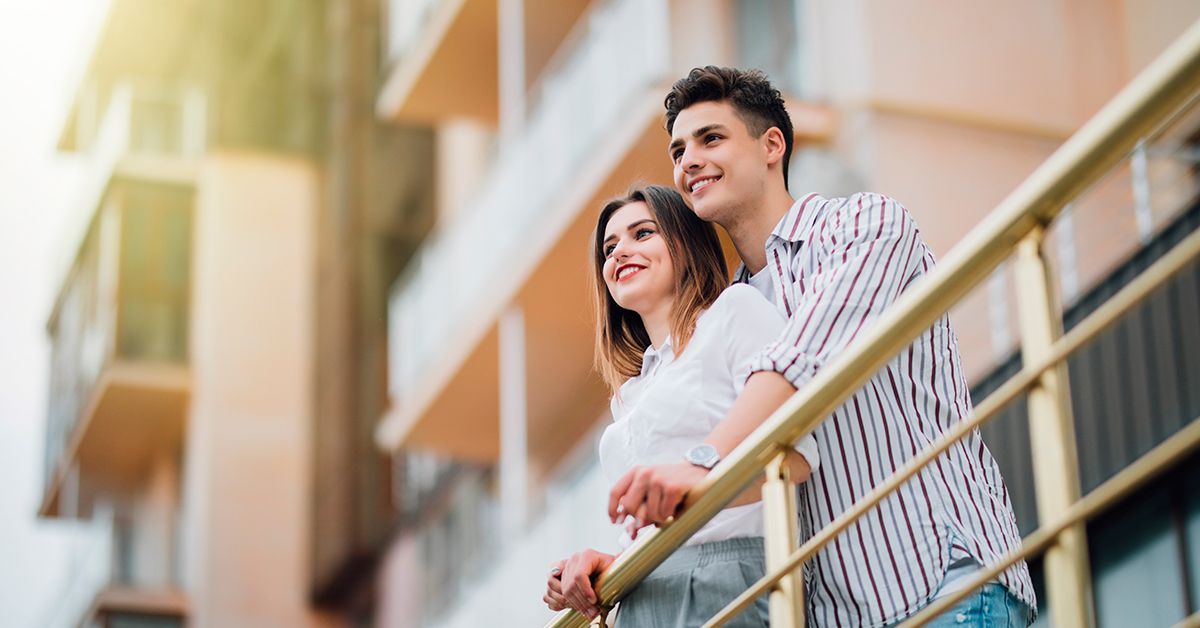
247, 463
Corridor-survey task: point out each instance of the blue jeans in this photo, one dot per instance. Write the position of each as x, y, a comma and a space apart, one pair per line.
990, 607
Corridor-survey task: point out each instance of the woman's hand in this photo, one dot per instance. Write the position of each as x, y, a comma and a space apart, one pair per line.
569, 583
652, 493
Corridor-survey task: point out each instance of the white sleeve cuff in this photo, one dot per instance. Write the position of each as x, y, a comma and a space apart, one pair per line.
807, 447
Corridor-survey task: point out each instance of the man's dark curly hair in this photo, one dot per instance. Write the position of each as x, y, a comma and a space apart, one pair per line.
757, 103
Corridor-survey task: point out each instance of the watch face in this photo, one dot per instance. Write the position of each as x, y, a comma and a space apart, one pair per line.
703, 455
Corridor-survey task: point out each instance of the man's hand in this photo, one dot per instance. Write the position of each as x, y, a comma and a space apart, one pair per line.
570, 582
652, 493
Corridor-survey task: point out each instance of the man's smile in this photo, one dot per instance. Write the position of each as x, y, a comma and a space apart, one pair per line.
701, 183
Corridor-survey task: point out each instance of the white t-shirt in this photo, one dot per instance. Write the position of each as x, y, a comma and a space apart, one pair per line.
674, 404
763, 282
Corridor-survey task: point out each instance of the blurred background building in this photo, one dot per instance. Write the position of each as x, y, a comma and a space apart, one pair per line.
322, 347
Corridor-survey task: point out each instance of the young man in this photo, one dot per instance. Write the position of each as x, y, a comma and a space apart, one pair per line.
832, 267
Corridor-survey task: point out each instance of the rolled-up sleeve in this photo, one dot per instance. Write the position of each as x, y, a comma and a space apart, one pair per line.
750, 320
858, 258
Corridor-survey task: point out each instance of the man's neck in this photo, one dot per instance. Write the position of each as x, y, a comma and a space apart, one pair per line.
755, 224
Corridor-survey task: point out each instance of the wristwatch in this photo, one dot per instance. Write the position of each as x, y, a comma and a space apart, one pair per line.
703, 455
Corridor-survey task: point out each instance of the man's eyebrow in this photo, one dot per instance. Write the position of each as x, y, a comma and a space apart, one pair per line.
697, 133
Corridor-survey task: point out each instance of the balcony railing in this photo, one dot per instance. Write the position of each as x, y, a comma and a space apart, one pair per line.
91, 569
104, 560
406, 20
82, 340
516, 575
458, 271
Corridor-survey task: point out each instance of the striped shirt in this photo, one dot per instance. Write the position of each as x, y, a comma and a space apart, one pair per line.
837, 265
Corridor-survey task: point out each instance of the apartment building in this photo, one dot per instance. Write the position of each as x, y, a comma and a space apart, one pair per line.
218, 340
540, 110
322, 347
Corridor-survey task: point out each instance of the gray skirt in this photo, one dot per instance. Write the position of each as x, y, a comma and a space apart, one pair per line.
695, 583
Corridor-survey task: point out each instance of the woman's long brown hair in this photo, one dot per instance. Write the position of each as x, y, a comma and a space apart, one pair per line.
700, 276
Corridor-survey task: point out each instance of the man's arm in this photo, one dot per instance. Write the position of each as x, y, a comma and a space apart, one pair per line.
868, 250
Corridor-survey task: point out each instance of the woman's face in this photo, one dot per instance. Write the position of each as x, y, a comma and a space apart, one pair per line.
637, 265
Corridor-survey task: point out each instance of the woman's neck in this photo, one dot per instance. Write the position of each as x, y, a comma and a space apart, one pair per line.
657, 324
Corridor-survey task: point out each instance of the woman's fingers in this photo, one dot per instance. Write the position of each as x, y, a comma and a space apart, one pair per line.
635, 494
554, 597
635, 523
654, 503
577, 585
616, 511
577, 588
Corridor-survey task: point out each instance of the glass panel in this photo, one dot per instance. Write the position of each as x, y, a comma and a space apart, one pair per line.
1191, 532
123, 540
80, 341
129, 620
461, 542
1038, 575
155, 266
1135, 559
766, 40
156, 127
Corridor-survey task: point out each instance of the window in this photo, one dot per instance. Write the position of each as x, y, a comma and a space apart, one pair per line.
156, 126
131, 620
155, 269
1137, 575
767, 41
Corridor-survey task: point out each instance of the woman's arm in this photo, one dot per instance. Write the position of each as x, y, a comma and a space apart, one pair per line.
654, 492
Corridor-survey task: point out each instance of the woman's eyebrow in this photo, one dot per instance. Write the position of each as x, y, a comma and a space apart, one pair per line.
629, 228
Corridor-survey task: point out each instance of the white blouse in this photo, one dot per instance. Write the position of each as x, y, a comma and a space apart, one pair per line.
674, 404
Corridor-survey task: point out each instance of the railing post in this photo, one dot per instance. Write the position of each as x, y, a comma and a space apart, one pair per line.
1052, 432
779, 511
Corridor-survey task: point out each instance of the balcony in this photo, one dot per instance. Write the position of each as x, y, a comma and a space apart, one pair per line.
593, 126
153, 131
120, 326
444, 306
442, 53
107, 584
460, 588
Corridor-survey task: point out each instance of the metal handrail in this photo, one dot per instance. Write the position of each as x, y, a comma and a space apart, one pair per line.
1174, 262
1143, 106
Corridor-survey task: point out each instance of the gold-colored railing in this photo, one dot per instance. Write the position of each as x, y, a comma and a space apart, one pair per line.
1152, 100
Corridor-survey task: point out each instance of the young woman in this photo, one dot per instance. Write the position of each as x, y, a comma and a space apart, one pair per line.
674, 344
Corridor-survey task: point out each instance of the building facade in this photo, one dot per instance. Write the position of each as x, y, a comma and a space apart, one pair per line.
322, 350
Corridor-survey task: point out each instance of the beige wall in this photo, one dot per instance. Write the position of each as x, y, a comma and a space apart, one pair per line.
247, 459
1051, 62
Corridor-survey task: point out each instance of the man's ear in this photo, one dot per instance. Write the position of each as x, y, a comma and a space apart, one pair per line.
774, 142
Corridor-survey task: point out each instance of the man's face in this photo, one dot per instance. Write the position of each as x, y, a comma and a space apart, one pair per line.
719, 167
